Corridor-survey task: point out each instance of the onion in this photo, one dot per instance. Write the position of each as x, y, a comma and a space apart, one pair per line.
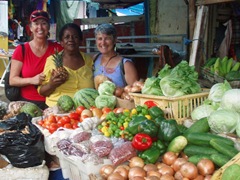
166, 170
138, 83
137, 178
122, 171
136, 162
135, 89
169, 157
205, 167
125, 166
199, 177
118, 91
152, 178
154, 173
106, 170
178, 163
167, 177
136, 171
159, 165
150, 167
189, 170
97, 112
128, 88
115, 176
86, 112
208, 177
178, 175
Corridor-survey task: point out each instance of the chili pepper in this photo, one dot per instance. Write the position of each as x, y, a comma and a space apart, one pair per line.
151, 155
155, 112
141, 141
148, 127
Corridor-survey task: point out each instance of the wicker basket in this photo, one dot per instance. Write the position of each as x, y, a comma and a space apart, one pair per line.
214, 78
178, 108
218, 174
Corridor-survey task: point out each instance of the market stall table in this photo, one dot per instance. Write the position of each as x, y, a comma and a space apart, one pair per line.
6, 61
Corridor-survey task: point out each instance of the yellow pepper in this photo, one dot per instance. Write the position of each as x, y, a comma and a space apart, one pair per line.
148, 117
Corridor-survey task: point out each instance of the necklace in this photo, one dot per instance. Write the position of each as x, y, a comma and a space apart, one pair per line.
104, 67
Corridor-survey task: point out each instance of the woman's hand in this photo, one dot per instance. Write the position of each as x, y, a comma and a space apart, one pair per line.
38, 79
55, 79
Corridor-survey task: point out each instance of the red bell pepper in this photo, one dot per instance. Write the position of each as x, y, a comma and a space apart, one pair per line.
150, 103
141, 141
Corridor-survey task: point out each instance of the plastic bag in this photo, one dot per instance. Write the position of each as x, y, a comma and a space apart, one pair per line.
21, 142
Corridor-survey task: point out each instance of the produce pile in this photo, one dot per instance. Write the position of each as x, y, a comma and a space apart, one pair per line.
140, 142
223, 68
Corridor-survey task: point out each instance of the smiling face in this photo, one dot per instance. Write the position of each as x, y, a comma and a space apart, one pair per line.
105, 43
40, 28
70, 39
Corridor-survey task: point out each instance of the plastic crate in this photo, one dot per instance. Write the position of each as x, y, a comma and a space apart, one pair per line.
178, 108
218, 174
74, 169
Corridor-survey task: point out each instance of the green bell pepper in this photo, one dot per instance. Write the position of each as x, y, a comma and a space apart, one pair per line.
168, 130
133, 124
148, 127
151, 155
155, 112
158, 120
161, 146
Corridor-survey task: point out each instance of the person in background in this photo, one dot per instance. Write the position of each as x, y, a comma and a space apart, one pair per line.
27, 69
108, 62
78, 65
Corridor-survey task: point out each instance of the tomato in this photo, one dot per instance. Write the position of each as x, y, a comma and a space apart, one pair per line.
51, 118
79, 109
58, 118
74, 116
68, 126
106, 110
73, 121
40, 122
53, 127
60, 123
150, 103
75, 126
66, 119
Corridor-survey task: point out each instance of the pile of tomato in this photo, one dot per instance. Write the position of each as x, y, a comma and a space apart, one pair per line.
72, 119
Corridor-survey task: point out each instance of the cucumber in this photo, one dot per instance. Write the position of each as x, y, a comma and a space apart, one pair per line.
219, 159
177, 144
199, 126
223, 148
199, 138
191, 150
196, 158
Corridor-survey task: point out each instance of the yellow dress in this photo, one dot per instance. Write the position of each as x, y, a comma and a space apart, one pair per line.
78, 79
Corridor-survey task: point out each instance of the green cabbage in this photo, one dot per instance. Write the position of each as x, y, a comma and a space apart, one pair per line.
202, 111
231, 100
217, 90
106, 101
151, 86
223, 121
106, 88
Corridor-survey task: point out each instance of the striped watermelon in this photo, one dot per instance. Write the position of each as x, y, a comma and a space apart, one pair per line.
85, 97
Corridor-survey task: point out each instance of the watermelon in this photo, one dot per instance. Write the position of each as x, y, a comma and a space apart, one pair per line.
85, 97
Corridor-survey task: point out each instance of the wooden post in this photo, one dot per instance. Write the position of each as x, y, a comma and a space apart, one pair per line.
199, 31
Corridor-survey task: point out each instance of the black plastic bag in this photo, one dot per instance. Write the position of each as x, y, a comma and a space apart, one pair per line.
23, 146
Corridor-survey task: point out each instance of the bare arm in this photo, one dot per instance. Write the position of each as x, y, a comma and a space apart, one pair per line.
17, 80
131, 74
48, 88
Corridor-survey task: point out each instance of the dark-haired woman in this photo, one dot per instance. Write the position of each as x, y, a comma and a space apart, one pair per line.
78, 66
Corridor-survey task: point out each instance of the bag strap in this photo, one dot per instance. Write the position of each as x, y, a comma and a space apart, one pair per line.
23, 50
123, 71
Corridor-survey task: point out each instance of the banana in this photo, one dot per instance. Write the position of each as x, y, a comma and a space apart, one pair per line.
229, 65
210, 62
216, 66
223, 66
236, 66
